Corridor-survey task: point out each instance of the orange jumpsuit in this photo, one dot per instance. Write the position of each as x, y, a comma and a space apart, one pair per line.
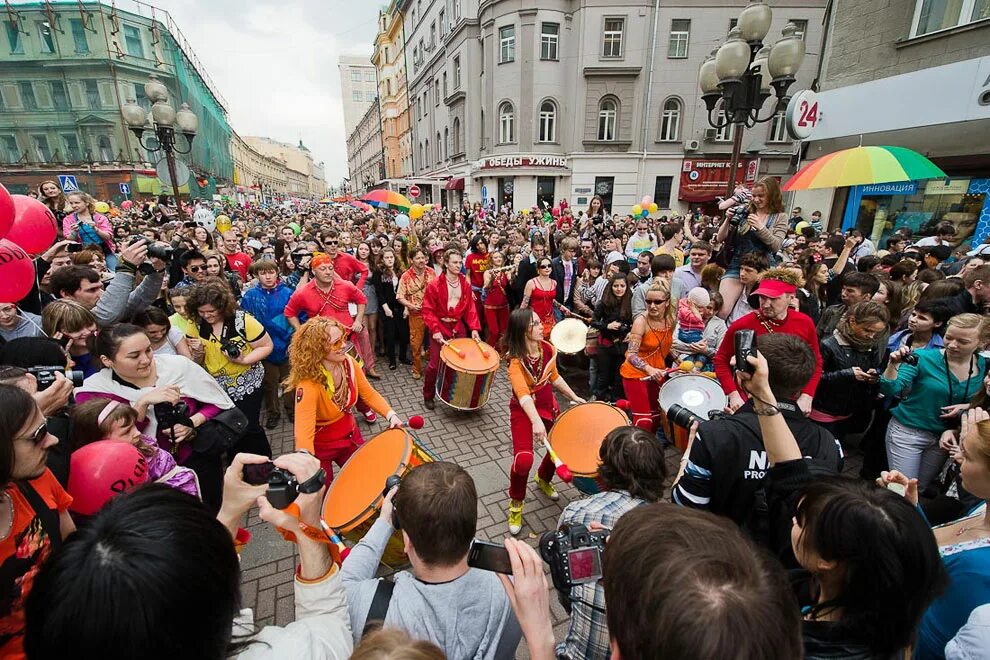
533, 379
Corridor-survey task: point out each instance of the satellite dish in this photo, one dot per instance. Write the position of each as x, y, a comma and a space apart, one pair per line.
182, 173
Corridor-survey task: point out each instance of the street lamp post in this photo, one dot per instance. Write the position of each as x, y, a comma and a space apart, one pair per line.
163, 121
741, 73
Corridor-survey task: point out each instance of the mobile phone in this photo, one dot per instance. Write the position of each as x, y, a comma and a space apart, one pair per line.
73, 247
489, 557
189, 225
745, 346
257, 474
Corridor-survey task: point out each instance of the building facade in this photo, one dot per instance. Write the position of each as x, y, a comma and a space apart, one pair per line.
255, 173
365, 160
65, 71
358, 89
389, 59
527, 105
920, 79
304, 178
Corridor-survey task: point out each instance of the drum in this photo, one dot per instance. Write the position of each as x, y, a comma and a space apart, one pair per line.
577, 435
698, 393
569, 336
464, 380
351, 349
354, 499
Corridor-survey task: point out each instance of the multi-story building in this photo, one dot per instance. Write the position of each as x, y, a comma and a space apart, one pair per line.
530, 103
918, 77
304, 178
365, 161
65, 71
255, 173
358, 89
389, 59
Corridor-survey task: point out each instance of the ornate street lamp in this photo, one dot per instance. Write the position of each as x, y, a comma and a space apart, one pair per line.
743, 73
162, 121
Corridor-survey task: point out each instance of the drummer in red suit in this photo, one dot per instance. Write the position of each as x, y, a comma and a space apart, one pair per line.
448, 312
775, 294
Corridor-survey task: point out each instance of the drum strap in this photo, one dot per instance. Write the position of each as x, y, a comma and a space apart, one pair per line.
379, 606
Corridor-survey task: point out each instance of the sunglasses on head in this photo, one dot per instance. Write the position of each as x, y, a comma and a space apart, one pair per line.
39, 435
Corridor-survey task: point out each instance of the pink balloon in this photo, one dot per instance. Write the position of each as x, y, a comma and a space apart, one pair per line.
6, 211
35, 226
16, 272
100, 471
126, 204
647, 200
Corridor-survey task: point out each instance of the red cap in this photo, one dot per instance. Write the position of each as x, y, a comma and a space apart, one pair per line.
772, 288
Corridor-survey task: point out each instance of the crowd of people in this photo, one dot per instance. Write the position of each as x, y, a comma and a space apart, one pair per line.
162, 349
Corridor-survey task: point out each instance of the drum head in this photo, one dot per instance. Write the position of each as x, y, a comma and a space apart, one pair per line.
699, 394
356, 491
474, 361
578, 432
569, 336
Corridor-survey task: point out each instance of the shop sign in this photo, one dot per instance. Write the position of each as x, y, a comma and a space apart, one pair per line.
947, 187
582, 190
900, 188
704, 180
500, 162
803, 115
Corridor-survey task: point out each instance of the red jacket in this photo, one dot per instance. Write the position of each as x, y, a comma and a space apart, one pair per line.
346, 267
435, 307
796, 323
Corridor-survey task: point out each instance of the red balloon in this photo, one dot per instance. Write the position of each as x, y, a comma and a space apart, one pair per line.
6, 211
100, 471
16, 272
35, 226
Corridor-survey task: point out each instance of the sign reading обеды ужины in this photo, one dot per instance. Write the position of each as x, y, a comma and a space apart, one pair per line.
500, 162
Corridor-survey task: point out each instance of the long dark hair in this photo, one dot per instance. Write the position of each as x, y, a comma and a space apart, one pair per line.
16, 408
622, 307
519, 322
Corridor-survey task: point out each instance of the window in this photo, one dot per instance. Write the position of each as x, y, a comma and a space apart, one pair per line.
433, 35
355, 76
548, 122
369, 76
725, 133
40, 150
426, 154
732, 23
415, 57
59, 98
92, 94
680, 34
661, 192
612, 37
45, 37
356, 96
141, 98
549, 36
670, 120
426, 101
132, 41
456, 6
457, 72
439, 148
443, 23
778, 128
436, 92
445, 83
369, 96
14, 38
78, 35
446, 143
934, 15
506, 121
70, 148
28, 100
802, 27
507, 44
608, 111
457, 135
8, 143
106, 151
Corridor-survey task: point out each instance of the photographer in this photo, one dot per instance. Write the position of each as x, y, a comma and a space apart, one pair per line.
632, 473
162, 557
464, 611
16, 323
724, 469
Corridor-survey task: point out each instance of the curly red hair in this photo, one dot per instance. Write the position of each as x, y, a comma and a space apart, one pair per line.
308, 348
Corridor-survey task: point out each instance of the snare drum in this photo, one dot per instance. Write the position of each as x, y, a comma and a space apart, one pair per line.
464, 383
696, 392
569, 336
354, 499
577, 435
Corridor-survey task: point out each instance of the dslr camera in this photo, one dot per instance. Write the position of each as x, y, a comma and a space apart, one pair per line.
231, 349
283, 487
684, 418
155, 251
172, 414
737, 214
574, 554
46, 376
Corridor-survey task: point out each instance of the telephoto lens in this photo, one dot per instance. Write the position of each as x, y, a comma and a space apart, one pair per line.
682, 416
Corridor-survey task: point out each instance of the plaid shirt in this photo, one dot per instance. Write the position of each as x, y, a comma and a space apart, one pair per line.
587, 634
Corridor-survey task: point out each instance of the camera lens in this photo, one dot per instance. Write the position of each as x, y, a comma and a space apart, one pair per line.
682, 416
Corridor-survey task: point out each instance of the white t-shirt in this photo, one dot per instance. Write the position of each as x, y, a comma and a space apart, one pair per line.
171, 341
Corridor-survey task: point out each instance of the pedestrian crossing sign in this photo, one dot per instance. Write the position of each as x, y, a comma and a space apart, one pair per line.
68, 183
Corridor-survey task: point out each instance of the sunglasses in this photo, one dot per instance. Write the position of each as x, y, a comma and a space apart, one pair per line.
39, 435
544, 265
656, 301
196, 269
333, 242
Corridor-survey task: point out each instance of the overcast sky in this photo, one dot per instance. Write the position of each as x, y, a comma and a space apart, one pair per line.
275, 62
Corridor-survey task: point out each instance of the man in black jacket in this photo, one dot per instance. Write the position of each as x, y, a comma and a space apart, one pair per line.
725, 467
564, 271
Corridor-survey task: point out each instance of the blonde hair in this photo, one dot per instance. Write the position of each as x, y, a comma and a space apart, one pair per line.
671, 311
394, 644
969, 322
65, 316
87, 199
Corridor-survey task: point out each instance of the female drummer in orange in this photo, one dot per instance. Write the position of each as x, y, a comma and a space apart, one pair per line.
540, 293
328, 383
649, 344
533, 406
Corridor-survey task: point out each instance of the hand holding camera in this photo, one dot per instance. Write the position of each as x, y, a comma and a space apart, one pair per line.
293, 478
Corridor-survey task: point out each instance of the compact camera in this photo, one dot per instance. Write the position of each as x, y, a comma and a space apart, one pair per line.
155, 251
574, 554
46, 376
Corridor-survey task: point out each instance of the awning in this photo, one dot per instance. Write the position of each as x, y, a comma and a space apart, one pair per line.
454, 184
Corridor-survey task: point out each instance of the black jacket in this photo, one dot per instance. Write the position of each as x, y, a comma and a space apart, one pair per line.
386, 290
603, 317
839, 393
557, 273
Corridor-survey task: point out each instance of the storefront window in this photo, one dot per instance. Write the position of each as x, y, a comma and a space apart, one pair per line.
505, 190
603, 188
920, 206
544, 191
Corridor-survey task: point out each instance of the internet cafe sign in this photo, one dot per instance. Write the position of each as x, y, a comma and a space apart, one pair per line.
542, 162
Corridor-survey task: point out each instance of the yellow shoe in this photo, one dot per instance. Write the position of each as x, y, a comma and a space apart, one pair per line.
515, 516
547, 489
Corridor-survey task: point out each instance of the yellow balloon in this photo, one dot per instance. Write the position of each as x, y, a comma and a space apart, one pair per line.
801, 225
102, 207
653, 207
637, 209
223, 223
525, 211
416, 211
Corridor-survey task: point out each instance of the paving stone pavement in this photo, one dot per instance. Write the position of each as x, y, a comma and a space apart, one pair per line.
479, 441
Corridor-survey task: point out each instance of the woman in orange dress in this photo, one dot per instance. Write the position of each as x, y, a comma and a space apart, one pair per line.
649, 345
540, 293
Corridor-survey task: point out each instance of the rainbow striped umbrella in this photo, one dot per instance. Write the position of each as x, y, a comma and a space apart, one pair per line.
862, 166
387, 199
360, 205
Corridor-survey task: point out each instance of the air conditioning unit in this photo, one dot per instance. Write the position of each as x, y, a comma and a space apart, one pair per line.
710, 133
692, 145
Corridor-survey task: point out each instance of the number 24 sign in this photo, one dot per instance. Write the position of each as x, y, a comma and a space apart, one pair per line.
803, 115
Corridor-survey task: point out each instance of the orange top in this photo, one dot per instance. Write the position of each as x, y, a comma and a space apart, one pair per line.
315, 406
654, 349
413, 288
524, 383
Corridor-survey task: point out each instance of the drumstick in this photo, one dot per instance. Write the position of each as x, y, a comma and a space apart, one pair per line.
461, 354
568, 312
335, 539
481, 347
563, 471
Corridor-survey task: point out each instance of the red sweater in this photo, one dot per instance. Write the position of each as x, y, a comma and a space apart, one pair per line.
796, 323
346, 267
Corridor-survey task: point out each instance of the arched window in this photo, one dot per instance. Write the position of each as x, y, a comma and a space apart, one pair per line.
506, 123
439, 148
446, 143
548, 122
670, 120
457, 135
608, 113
